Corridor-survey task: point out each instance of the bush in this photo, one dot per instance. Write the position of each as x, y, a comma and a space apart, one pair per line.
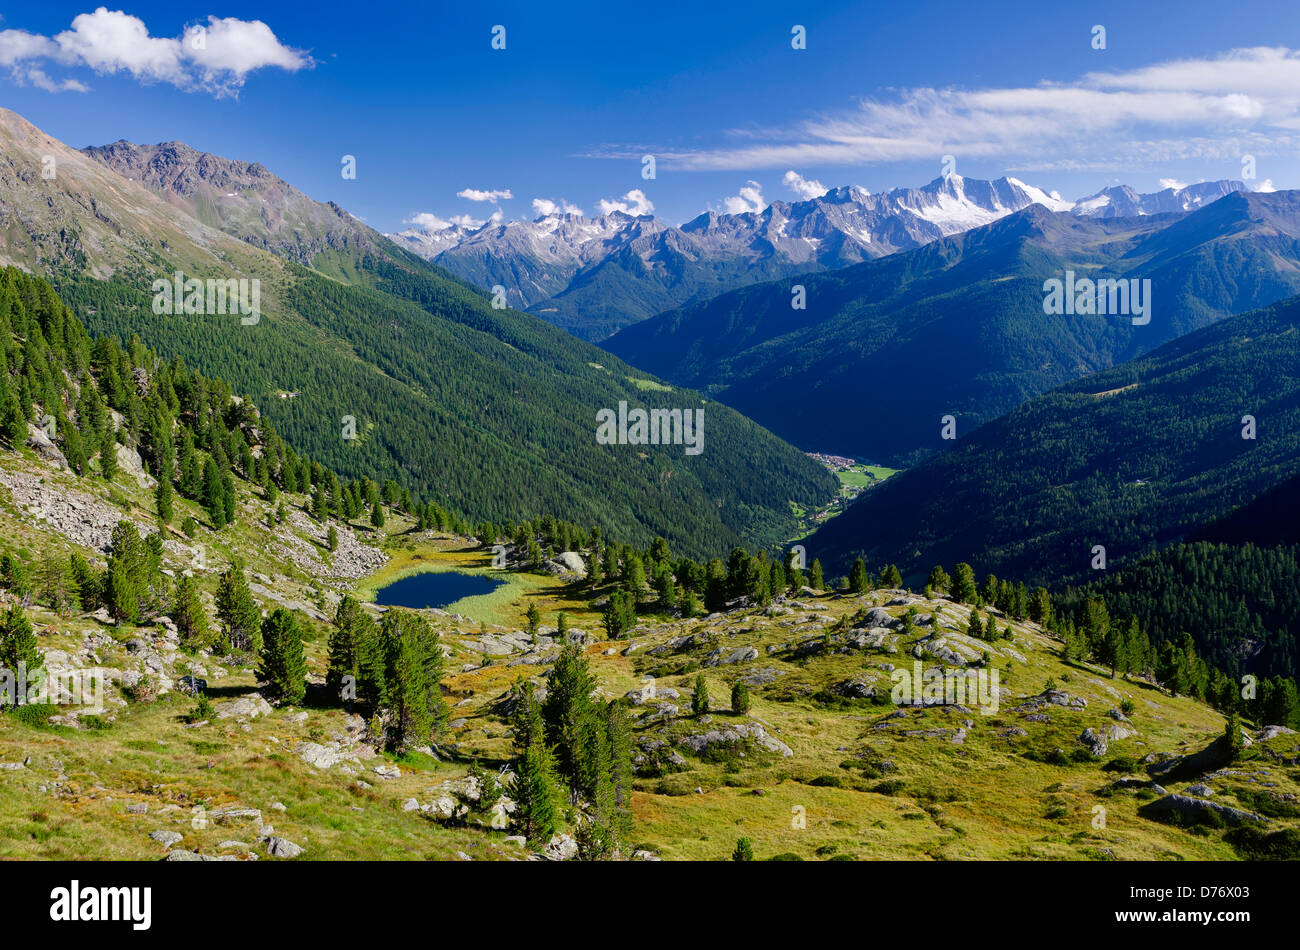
202, 710
827, 781
1256, 845
786, 856
145, 690
35, 715
744, 850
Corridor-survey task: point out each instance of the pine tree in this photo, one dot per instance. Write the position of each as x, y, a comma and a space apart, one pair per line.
13, 424
890, 578
1232, 733
283, 668
1040, 606
17, 644
108, 456
237, 612
974, 628
744, 850
700, 696
567, 708
815, 579
377, 517
963, 585
214, 494
739, 699
332, 538
939, 581
859, 581
55, 587
122, 592
163, 498
188, 615
413, 671
535, 788
372, 666
619, 729
534, 619
88, 585
351, 626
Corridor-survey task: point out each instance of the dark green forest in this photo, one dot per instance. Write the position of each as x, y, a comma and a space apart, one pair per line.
490, 413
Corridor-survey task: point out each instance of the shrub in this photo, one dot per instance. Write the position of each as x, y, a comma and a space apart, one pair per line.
744, 850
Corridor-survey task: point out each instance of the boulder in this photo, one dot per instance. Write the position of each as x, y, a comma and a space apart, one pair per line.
278, 847
44, 447
249, 706
1192, 810
166, 838
561, 848
741, 655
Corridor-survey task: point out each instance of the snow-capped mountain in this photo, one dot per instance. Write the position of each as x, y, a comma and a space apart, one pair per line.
1122, 201
593, 276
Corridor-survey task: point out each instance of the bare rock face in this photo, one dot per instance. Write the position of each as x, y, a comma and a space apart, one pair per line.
44, 447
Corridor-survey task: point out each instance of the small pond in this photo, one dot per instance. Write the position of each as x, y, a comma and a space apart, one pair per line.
435, 589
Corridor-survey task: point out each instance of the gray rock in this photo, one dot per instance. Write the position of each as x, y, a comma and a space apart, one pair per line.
166, 838
278, 847
246, 707
561, 848
741, 655
1270, 732
737, 733
1192, 809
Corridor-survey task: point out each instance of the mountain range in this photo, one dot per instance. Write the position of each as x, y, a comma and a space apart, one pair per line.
592, 276
491, 412
883, 350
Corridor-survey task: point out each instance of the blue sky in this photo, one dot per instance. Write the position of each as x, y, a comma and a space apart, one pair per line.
1181, 92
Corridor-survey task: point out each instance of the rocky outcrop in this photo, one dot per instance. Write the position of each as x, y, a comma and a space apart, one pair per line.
737, 734
1187, 810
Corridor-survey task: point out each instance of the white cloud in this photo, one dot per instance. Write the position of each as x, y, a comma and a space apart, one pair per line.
475, 194
1244, 101
546, 207
1265, 186
228, 49
216, 58
749, 199
1173, 183
431, 223
634, 203
805, 188
38, 78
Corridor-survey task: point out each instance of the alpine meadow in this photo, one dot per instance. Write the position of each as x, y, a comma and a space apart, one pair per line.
614, 436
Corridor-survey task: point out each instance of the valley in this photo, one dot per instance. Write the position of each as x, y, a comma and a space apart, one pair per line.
357, 503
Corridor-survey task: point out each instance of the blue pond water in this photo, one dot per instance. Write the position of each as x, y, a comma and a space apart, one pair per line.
435, 589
